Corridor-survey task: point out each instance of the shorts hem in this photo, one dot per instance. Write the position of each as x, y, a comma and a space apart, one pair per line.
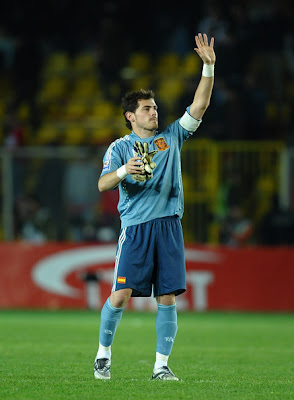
135, 292
176, 292
140, 293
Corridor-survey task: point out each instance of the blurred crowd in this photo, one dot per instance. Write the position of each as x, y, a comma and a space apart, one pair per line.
65, 65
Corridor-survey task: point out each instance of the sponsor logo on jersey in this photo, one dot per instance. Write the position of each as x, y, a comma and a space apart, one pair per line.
121, 279
106, 165
161, 144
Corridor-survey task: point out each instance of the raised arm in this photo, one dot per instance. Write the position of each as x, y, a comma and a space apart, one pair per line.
203, 92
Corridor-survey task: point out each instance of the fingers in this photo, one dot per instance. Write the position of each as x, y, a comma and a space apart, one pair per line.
139, 178
150, 156
203, 40
148, 169
139, 148
135, 166
199, 40
141, 166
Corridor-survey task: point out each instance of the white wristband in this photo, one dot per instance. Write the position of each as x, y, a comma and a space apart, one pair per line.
189, 123
122, 172
208, 70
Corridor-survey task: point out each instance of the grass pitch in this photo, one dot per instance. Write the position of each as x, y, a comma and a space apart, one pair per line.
49, 355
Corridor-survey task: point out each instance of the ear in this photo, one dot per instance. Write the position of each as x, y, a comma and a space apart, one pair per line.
130, 116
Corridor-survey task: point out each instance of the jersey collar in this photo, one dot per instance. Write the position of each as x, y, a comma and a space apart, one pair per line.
146, 139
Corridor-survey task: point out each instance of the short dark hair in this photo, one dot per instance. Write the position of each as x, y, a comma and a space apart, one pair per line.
130, 102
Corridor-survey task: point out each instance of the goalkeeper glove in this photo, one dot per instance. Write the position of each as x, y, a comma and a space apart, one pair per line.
142, 150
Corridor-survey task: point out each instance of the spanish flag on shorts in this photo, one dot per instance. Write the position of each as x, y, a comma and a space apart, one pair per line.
121, 279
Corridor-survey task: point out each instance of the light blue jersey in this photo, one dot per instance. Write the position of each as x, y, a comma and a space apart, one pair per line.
162, 195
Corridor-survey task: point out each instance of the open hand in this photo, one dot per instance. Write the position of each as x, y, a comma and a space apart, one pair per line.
204, 49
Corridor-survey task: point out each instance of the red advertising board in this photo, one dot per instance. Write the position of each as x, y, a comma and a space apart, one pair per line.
79, 276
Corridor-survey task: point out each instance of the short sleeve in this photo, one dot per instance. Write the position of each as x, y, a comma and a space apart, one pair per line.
184, 127
112, 159
189, 123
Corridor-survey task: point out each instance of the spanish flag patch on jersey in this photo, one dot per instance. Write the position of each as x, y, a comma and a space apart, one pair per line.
161, 144
121, 279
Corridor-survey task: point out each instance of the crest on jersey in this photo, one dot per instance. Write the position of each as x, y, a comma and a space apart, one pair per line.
161, 144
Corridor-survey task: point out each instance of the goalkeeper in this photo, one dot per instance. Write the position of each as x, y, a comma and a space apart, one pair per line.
146, 167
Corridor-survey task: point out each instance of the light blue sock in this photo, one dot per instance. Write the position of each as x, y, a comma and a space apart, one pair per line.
166, 328
110, 318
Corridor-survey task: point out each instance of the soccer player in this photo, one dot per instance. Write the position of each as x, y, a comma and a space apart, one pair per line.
146, 167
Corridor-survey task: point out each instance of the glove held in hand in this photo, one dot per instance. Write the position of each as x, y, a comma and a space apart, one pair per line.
142, 150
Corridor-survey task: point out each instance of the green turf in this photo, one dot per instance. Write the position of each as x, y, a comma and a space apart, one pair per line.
49, 355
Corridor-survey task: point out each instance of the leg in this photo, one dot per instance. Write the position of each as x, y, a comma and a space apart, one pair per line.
134, 248
170, 279
120, 297
166, 299
166, 330
110, 317
111, 314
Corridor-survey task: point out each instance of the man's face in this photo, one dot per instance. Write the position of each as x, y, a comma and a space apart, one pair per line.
146, 115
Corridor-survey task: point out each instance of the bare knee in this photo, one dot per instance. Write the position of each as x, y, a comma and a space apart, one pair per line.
166, 299
120, 298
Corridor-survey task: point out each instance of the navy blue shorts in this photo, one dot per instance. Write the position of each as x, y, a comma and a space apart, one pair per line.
151, 256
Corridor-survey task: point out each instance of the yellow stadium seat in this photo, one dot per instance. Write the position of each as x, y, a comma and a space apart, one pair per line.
103, 110
74, 135
169, 90
47, 133
53, 88
57, 63
191, 65
23, 111
142, 82
86, 87
102, 135
141, 62
84, 62
75, 109
168, 64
